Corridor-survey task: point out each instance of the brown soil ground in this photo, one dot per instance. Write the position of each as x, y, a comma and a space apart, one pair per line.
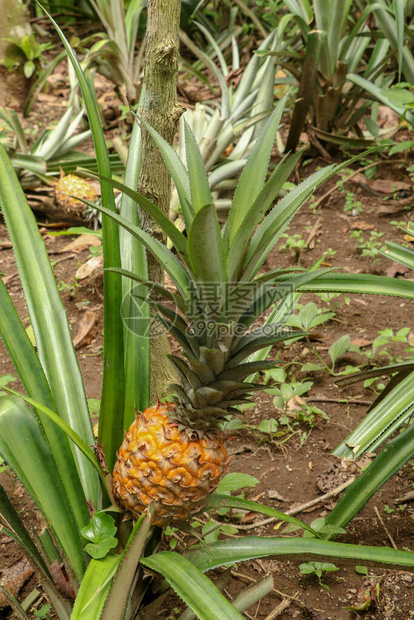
294, 470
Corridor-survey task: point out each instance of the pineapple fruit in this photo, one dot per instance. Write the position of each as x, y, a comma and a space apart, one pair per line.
164, 462
72, 185
173, 454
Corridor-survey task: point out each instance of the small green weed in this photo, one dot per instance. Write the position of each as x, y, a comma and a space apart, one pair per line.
295, 244
369, 248
318, 568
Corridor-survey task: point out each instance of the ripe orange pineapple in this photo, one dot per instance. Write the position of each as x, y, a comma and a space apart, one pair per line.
72, 185
164, 462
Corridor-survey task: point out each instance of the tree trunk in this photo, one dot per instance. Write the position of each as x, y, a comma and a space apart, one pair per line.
161, 111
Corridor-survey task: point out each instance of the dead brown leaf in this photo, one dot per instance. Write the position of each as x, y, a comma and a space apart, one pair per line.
61, 579
388, 186
83, 242
367, 595
86, 331
397, 270
87, 269
13, 579
361, 225
361, 342
395, 206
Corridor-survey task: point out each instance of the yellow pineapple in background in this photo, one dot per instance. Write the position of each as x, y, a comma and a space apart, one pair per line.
72, 185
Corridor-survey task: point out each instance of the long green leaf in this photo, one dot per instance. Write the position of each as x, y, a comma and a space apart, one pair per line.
381, 422
178, 172
399, 253
20, 535
111, 422
33, 379
24, 448
304, 549
360, 283
170, 263
216, 500
258, 209
136, 318
392, 31
48, 317
206, 247
178, 239
95, 587
254, 173
118, 598
10, 516
272, 227
199, 187
196, 590
77, 440
389, 461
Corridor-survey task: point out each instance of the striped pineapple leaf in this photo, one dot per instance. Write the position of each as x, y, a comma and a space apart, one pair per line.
381, 422
172, 265
178, 172
205, 247
257, 210
25, 449
199, 187
33, 379
133, 258
49, 320
224, 552
254, 173
396, 453
196, 590
113, 384
177, 238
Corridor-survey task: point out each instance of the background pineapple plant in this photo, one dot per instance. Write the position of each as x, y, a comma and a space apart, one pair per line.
173, 454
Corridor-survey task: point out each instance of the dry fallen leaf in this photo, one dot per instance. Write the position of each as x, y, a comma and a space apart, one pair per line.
276, 495
361, 342
367, 595
61, 580
395, 206
86, 331
362, 225
295, 404
13, 579
85, 270
83, 242
388, 186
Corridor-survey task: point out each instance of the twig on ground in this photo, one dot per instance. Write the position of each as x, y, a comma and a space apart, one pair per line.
380, 519
343, 401
286, 602
351, 176
7, 279
302, 507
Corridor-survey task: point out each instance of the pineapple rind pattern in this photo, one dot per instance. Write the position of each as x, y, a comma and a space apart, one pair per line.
72, 185
168, 464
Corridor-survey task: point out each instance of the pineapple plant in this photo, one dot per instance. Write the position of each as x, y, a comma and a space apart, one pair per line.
173, 455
